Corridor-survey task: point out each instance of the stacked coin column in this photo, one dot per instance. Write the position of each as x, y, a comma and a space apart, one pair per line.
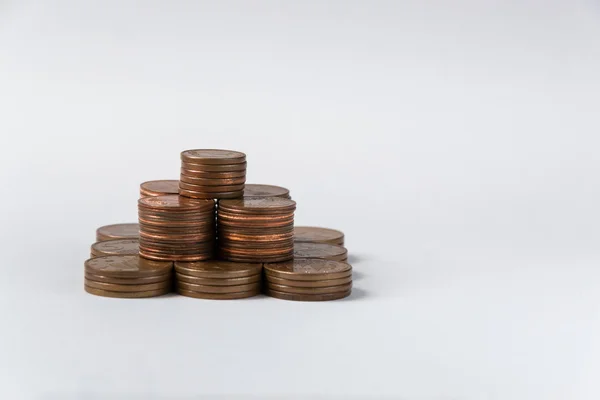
256, 230
176, 228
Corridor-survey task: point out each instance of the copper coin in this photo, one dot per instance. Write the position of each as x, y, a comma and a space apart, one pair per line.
213, 182
175, 215
177, 230
210, 189
128, 288
129, 281
218, 269
308, 290
241, 226
149, 224
254, 190
159, 188
257, 245
190, 250
322, 283
259, 205
315, 234
115, 247
276, 252
308, 269
177, 238
117, 231
217, 289
255, 235
213, 156
198, 170
125, 295
175, 257
215, 195
260, 218
192, 174
307, 297
218, 296
126, 266
219, 281
320, 250
175, 203
256, 259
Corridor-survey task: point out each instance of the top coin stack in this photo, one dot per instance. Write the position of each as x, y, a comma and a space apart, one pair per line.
212, 174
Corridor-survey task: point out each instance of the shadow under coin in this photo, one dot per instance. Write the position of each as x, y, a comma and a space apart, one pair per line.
357, 294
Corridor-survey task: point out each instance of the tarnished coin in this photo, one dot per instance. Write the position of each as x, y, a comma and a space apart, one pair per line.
258, 205
321, 283
117, 231
159, 188
217, 289
218, 269
129, 281
126, 295
307, 269
127, 266
308, 290
210, 189
318, 235
213, 156
213, 182
128, 288
307, 297
218, 296
320, 250
203, 195
175, 203
254, 190
115, 247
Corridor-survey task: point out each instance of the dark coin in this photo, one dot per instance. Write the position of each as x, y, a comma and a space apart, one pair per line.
318, 235
307, 297
307, 269
203, 195
117, 231
125, 295
159, 188
218, 296
210, 189
254, 190
115, 247
219, 281
129, 281
217, 289
126, 266
322, 283
218, 269
128, 288
213, 182
308, 290
320, 250
174, 203
213, 156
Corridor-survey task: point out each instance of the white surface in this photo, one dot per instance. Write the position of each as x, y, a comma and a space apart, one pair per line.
455, 143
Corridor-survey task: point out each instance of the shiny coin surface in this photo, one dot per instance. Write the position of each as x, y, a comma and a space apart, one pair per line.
318, 235
258, 205
126, 295
320, 250
218, 296
128, 288
218, 269
159, 188
127, 266
115, 247
210, 189
191, 175
307, 269
174, 203
190, 169
213, 182
117, 231
213, 195
175, 256
217, 289
321, 283
308, 290
129, 281
219, 281
213, 156
307, 297
253, 190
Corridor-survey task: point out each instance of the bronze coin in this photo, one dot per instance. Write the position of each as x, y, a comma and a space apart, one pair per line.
175, 203
213, 156
179, 230
175, 215
184, 251
126, 266
218, 269
323, 283
198, 170
115, 247
259, 205
259, 218
219, 281
211, 174
276, 252
117, 231
215, 195
218, 296
257, 259
308, 290
213, 182
315, 234
125, 295
211, 189
320, 250
309, 269
217, 289
257, 245
257, 235
175, 257
113, 287
241, 226
129, 281
159, 188
177, 238
307, 297
148, 224
254, 190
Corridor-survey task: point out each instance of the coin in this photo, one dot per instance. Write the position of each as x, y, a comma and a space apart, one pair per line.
320, 250
117, 231
254, 190
124, 295
204, 195
308, 290
307, 269
318, 235
170, 237
259, 252
217, 289
126, 266
175, 257
258, 205
128, 288
192, 169
230, 237
213, 182
264, 259
321, 283
213, 156
307, 297
174, 203
210, 189
115, 247
219, 281
159, 188
218, 269
191, 174
218, 296
129, 281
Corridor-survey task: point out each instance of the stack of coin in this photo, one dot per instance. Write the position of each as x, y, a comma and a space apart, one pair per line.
218, 280
212, 174
115, 247
173, 227
308, 280
315, 234
127, 277
159, 188
118, 231
253, 191
256, 230
322, 251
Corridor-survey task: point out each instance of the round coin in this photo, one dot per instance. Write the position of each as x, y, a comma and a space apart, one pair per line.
323, 283
204, 195
175, 257
308, 290
318, 235
219, 281
191, 169
189, 175
218, 269
210, 189
175, 203
320, 250
125, 295
217, 289
213, 156
115, 247
258, 205
129, 281
218, 296
307, 269
213, 182
159, 188
128, 288
254, 190
126, 266
307, 297
117, 231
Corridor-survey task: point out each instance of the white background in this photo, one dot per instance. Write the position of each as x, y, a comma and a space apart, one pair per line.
454, 142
